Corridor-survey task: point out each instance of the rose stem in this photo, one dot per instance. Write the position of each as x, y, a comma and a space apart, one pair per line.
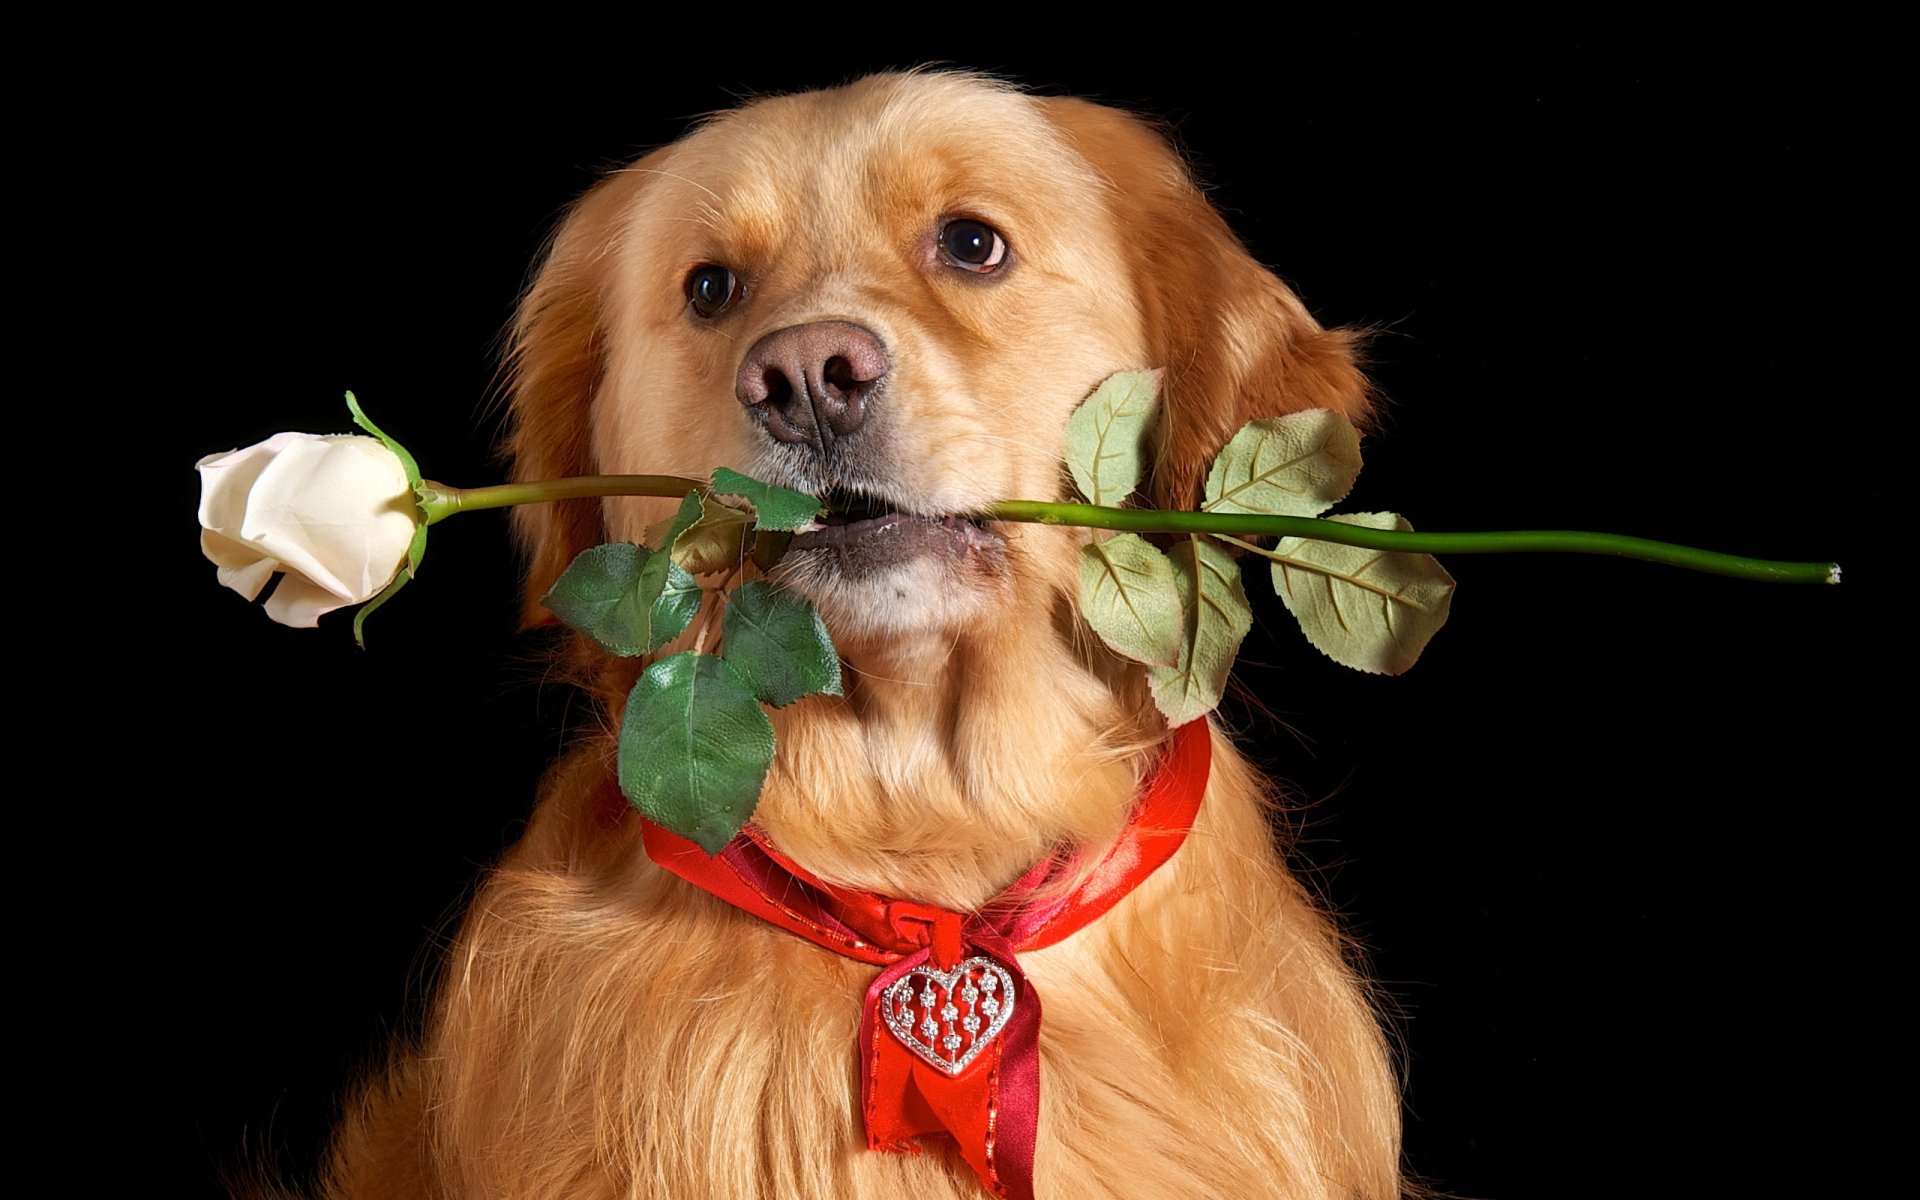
1568, 541
444, 501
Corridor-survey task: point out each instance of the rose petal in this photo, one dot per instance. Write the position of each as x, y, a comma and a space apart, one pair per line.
223, 551
241, 567
300, 603
225, 480
337, 510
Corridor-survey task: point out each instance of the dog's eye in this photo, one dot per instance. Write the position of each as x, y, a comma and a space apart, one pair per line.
712, 289
973, 245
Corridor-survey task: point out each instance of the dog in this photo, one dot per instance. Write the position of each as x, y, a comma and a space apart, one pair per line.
894, 293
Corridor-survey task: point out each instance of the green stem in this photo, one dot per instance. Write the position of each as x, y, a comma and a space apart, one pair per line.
1141, 520
443, 501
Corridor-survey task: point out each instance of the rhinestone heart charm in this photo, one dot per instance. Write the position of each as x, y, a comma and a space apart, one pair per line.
949, 1017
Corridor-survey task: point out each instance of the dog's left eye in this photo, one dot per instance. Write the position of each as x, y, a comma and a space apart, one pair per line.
973, 245
712, 289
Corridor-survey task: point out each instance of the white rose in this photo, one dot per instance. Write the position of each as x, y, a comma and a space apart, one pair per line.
335, 513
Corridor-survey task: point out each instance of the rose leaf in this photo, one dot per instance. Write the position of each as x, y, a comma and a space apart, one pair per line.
774, 507
1217, 618
703, 534
1298, 465
1128, 595
628, 598
768, 546
664, 534
779, 644
1107, 436
715, 542
694, 748
1367, 609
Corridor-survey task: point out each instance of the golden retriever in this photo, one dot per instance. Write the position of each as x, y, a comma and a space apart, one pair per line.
894, 291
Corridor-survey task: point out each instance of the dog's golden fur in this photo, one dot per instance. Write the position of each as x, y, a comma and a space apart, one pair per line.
603, 1029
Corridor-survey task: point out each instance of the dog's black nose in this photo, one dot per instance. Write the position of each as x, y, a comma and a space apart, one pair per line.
811, 383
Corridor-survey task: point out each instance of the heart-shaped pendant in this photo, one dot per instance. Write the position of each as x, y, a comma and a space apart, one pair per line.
948, 1017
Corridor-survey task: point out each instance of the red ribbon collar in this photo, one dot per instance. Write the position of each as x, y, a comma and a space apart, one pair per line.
950, 1031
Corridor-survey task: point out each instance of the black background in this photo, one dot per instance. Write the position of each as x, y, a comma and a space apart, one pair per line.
1611, 845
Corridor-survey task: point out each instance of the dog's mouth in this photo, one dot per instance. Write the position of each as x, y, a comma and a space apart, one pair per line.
863, 531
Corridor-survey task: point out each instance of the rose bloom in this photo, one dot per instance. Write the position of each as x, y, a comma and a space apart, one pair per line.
335, 514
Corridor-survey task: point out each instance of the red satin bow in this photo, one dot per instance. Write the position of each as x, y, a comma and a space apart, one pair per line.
991, 1105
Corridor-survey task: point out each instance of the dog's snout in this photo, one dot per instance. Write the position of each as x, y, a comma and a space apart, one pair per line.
812, 383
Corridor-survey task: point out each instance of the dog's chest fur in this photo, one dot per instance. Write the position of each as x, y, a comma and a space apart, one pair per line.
609, 1031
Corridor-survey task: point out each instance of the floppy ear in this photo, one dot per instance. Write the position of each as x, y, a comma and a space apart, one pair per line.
1236, 343
555, 365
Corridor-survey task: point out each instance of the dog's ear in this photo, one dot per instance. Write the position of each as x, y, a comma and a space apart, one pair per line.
556, 361
1235, 342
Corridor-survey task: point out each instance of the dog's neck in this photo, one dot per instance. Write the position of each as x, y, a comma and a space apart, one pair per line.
955, 762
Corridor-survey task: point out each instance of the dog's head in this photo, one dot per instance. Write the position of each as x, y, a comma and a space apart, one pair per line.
892, 295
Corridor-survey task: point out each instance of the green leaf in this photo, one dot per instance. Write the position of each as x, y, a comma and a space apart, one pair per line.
1298, 465
628, 598
1217, 618
670, 596
1107, 436
694, 748
779, 644
703, 534
1367, 609
715, 542
768, 546
663, 534
773, 507
1128, 595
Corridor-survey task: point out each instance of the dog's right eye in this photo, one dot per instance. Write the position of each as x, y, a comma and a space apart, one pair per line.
973, 245
712, 289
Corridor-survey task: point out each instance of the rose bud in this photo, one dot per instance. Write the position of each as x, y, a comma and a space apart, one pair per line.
334, 513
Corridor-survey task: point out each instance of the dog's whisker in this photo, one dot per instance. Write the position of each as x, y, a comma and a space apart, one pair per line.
866, 673
688, 180
1023, 443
